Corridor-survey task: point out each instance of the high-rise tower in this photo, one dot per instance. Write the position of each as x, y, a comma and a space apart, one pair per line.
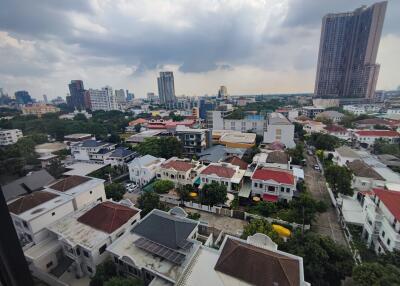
347, 53
166, 88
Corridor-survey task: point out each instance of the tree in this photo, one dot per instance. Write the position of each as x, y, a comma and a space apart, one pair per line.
114, 138
163, 186
339, 178
121, 281
165, 147
55, 168
213, 194
323, 141
148, 201
297, 154
305, 208
261, 226
265, 208
325, 262
368, 274
299, 131
115, 191
184, 192
194, 216
104, 272
80, 117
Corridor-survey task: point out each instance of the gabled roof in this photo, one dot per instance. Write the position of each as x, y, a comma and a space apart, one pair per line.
69, 183
279, 176
257, 266
121, 153
34, 181
361, 169
219, 170
391, 199
30, 201
335, 128
167, 230
279, 157
178, 165
378, 133
107, 216
237, 162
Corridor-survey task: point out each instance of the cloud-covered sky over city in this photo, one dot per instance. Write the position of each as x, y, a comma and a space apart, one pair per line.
251, 46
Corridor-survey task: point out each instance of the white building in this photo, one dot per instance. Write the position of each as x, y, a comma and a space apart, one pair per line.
382, 221
143, 169
9, 136
223, 173
362, 108
368, 137
331, 115
279, 129
179, 171
103, 99
338, 131
314, 127
120, 157
194, 140
273, 184
364, 177
344, 155
91, 150
311, 111
71, 116
250, 123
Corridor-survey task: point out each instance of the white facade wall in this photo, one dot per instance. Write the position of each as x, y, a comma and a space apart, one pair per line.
90, 196
365, 184
208, 179
103, 99
177, 177
370, 140
270, 187
282, 133
10, 136
141, 175
244, 125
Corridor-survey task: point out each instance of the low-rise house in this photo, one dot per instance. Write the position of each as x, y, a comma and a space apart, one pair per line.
338, 131
83, 190
370, 123
158, 248
234, 160
9, 136
255, 261
311, 111
224, 173
91, 150
314, 127
368, 137
217, 153
382, 221
362, 108
364, 176
273, 184
194, 141
120, 157
179, 171
32, 213
331, 115
234, 139
79, 241
344, 155
77, 137
252, 122
32, 182
143, 169
279, 129
277, 159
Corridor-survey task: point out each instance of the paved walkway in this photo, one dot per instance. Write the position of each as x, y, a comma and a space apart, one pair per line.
327, 222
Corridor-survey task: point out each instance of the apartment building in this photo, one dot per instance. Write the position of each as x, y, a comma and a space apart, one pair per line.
227, 174
102, 99
179, 171
279, 129
381, 229
9, 136
39, 109
311, 111
250, 123
91, 150
194, 141
273, 184
143, 169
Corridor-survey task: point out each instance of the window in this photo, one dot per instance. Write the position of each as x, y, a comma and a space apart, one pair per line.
78, 251
260, 185
388, 241
89, 269
133, 222
120, 234
91, 192
100, 199
25, 224
48, 265
282, 189
85, 253
158, 175
103, 248
383, 234
53, 214
256, 185
287, 190
115, 259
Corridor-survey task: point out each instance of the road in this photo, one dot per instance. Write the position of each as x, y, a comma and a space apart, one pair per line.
327, 222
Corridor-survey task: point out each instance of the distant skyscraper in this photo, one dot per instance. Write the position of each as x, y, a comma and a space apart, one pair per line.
347, 53
223, 92
166, 88
23, 97
120, 96
103, 99
45, 99
129, 95
77, 94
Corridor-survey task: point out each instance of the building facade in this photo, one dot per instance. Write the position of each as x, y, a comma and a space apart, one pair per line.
76, 94
9, 136
143, 169
166, 88
194, 141
103, 99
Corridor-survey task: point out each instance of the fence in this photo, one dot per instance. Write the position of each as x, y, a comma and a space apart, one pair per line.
248, 216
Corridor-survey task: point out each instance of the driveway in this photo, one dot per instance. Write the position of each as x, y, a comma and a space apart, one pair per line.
327, 222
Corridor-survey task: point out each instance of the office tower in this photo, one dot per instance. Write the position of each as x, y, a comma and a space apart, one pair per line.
22, 97
102, 99
45, 99
77, 94
129, 95
14, 270
166, 88
204, 106
120, 96
347, 53
151, 96
223, 92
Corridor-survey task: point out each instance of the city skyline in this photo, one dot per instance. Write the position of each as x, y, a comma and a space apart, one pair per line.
251, 47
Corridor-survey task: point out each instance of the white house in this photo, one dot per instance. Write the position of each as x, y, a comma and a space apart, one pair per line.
224, 173
364, 176
120, 157
368, 137
338, 131
143, 169
32, 213
279, 129
331, 115
382, 221
91, 150
311, 111
273, 184
179, 171
9, 136
344, 154
314, 127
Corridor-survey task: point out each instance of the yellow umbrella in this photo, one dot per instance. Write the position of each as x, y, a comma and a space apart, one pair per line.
282, 231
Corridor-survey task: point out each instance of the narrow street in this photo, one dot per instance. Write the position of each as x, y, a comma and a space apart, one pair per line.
327, 222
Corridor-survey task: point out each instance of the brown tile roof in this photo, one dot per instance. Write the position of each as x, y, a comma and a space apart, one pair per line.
178, 165
335, 128
361, 169
107, 216
69, 183
220, 171
257, 266
277, 157
30, 201
237, 162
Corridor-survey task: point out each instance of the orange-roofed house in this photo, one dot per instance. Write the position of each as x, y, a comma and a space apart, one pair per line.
368, 137
179, 171
224, 173
273, 184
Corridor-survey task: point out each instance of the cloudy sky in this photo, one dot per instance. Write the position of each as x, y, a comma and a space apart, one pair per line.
251, 46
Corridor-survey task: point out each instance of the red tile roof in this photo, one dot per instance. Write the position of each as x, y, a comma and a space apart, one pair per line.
335, 128
220, 171
279, 176
30, 201
378, 133
138, 121
178, 165
107, 216
69, 183
237, 162
391, 199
